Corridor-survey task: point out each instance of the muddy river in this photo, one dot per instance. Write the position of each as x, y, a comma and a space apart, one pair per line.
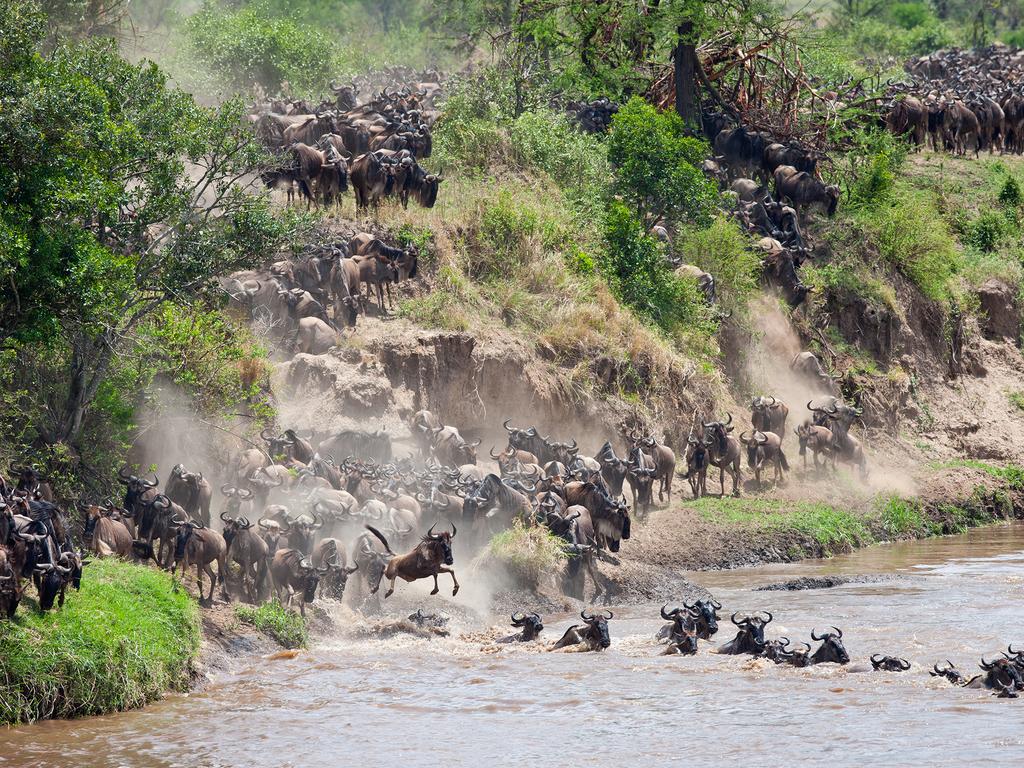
448, 702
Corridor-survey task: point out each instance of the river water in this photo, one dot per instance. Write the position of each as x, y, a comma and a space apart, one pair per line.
456, 702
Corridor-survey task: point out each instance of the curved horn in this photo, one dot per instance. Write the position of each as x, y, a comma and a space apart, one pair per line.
610, 614
814, 636
669, 616
506, 426
584, 616
838, 632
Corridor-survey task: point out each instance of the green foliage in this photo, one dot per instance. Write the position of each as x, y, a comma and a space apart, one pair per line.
988, 230
528, 553
1010, 195
444, 307
724, 251
911, 235
467, 137
578, 162
643, 279
127, 637
1016, 398
287, 627
1011, 474
251, 46
657, 166
832, 529
116, 200
904, 518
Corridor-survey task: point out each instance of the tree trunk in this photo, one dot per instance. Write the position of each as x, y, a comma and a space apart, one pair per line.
684, 58
88, 367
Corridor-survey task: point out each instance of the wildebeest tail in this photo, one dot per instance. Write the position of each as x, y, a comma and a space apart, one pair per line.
380, 536
782, 458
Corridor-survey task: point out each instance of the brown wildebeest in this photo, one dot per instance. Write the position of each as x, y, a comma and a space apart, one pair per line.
247, 548
819, 439
106, 536
724, 452
431, 557
200, 546
294, 573
803, 190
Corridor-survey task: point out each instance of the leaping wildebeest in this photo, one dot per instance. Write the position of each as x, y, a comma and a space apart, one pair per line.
432, 556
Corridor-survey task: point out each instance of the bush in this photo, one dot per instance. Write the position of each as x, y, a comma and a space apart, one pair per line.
658, 166
724, 251
467, 136
529, 554
987, 231
126, 638
578, 162
286, 627
643, 279
1010, 195
251, 46
912, 237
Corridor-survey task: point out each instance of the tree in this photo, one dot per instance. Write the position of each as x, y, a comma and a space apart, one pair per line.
657, 166
118, 195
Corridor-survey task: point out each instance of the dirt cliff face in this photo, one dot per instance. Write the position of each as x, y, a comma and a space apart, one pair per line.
390, 368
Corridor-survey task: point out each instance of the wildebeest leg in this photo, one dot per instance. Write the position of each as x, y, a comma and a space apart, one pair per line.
455, 582
435, 590
391, 588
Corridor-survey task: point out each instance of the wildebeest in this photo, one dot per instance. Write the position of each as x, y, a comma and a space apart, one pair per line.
591, 636
610, 517
450, 448
831, 650
802, 190
375, 446
750, 637
724, 452
294, 574
105, 535
888, 663
949, 672
765, 448
430, 557
370, 177
529, 626
769, 414
195, 544
613, 469
698, 459
191, 491
809, 367
250, 551
818, 439
999, 674
331, 553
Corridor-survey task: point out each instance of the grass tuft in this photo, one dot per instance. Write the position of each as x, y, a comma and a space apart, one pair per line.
528, 553
286, 627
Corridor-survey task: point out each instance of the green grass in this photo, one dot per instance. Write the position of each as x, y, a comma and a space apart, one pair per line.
528, 553
286, 627
121, 642
1011, 474
1016, 398
901, 518
835, 530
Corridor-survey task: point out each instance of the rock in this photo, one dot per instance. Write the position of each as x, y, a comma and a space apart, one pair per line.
1002, 315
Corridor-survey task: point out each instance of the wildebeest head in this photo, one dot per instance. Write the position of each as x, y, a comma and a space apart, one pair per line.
716, 433
704, 614
750, 638
135, 487
888, 663
52, 578
441, 543
950, 672
597, 628
310, 578
185, 531
235, 497
831, 649
1002, 673
530, 624
279, 445
335, 576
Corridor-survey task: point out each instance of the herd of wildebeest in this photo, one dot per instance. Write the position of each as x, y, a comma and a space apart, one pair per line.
308, 515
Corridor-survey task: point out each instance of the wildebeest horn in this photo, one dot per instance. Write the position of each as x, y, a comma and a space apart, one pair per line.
738, 623
728, 421
494, 455
224, 519
985, 664
266, 432
839, 632
248, 494
814, 636
430, 531
610, 614
506, 426
716, 605
151, 483
904, 664
743, 438
584, 616
227, 490
671, 614
123, 475
179, 521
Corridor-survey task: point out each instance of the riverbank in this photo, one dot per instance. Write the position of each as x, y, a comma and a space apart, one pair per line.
794, 523
125, 639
